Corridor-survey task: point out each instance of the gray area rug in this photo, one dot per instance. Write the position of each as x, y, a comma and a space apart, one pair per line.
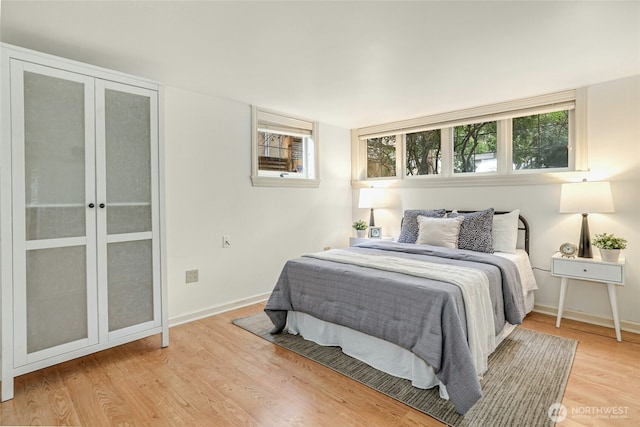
527, 373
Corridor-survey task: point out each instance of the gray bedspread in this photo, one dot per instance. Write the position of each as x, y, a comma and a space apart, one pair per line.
424, 316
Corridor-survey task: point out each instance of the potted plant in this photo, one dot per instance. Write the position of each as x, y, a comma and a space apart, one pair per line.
609, 245
360, 226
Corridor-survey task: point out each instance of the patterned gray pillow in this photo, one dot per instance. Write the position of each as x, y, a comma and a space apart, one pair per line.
475, 231
409, 231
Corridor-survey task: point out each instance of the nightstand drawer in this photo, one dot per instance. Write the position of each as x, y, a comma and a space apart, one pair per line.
611, 273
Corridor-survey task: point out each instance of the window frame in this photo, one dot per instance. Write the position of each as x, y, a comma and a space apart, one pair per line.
573, 100
261, 118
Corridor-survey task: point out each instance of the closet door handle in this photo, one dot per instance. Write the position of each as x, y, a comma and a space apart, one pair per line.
91, 205
101, 205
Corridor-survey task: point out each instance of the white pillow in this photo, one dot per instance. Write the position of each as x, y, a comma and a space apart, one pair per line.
439, 231
505, 232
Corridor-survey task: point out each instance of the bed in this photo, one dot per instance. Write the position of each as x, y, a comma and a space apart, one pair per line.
429, 307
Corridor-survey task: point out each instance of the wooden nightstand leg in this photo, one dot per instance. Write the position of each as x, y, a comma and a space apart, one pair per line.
614, 309
563, 293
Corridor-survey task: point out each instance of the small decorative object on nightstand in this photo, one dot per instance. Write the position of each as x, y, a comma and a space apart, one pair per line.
568, 250
375, 232
591, 269
610, 246
360, 226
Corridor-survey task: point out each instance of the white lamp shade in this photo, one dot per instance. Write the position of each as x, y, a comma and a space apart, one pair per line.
586, 197
371, 198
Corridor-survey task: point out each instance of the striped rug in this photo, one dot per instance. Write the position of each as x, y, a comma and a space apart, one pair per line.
527, 374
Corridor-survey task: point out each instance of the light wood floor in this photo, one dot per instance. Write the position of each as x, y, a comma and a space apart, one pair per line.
216, 374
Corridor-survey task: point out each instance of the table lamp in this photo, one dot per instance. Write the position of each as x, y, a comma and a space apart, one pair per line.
586, 197
371, 198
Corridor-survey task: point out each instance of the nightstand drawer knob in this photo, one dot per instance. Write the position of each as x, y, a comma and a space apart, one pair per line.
585, 270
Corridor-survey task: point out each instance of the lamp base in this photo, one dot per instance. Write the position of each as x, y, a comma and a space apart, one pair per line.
584, 248
372, 222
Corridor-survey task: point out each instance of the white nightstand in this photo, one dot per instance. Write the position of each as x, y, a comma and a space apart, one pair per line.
355, 240
591, 269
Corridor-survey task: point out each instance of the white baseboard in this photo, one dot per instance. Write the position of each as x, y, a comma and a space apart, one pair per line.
625, 325
190, 317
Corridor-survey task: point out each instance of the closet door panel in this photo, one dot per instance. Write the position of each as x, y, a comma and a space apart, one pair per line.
56, 297
128, 225
54, 149
130, 272
128, 162
53, 160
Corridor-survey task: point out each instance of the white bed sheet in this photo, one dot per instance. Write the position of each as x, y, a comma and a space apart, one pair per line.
391, 358
382, 355
521, 259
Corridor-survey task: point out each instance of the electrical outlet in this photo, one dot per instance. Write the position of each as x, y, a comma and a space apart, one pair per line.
191, 276
226, 241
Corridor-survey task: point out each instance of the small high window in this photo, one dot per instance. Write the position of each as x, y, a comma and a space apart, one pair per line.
541, 141
381, 157
284, 150
423, 153
475, 147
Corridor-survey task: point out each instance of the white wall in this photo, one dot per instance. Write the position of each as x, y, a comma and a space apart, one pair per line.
209, 194
614, 155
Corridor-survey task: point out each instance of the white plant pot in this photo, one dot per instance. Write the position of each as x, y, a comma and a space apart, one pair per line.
609, 255
360, 233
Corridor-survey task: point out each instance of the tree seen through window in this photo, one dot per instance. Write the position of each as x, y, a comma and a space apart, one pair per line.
541, 141
423, 152
381, 157
474, 147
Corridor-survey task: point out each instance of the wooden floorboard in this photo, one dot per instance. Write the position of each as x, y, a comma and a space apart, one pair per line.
216, 374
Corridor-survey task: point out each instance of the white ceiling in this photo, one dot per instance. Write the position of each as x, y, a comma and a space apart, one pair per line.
350, 64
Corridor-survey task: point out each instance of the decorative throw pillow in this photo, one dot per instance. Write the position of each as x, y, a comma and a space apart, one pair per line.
409, 231
475, 230
505, 232
439, 231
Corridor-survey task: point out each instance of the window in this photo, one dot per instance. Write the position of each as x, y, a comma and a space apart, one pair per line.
381, 157
423, 153
284, 150
519, 140
475, 147
541, 141
280, 153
